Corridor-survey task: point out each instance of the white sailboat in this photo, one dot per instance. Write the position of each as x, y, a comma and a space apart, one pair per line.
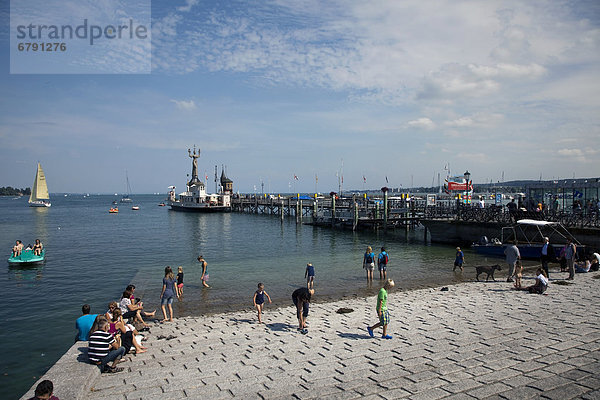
126, 198
39, 192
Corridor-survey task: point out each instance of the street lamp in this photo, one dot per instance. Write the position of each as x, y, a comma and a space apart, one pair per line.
467, 175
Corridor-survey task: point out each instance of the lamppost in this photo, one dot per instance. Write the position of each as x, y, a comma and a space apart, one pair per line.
467, 175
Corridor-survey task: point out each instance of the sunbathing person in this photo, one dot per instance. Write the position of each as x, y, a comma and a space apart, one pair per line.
17, 248
583, 266
130, 310
38, 247
112, 306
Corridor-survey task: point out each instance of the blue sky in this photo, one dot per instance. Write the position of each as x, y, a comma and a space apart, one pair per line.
274, 89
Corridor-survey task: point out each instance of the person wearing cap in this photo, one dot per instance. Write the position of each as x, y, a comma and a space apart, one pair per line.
547, 255
459, 260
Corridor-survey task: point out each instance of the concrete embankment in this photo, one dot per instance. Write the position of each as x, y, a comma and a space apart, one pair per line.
476, 340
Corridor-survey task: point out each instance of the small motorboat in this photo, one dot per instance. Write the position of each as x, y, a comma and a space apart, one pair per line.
27, 257
161, 204
529, 235
113, 210
115, 202
135, 208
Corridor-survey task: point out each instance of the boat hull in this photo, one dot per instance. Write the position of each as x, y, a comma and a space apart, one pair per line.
28, 258
39, 203
528, 252
199, 209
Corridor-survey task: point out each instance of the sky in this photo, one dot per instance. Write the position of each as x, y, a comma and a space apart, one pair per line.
272, 89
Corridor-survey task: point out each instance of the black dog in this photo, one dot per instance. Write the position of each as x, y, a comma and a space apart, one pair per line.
489, 270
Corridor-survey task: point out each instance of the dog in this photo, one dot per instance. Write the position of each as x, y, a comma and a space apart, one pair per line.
488, 269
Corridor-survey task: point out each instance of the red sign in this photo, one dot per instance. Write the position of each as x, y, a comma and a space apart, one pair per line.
463, 187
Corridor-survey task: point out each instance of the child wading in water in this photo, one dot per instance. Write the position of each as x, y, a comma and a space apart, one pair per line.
259, 300
179, 281
309, 274
382, 312
204, 276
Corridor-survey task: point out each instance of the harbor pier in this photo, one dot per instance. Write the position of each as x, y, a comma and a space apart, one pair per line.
355, 213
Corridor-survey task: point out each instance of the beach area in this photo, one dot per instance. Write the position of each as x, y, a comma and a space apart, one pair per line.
475, 340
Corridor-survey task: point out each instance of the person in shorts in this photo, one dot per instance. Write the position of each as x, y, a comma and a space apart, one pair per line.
369, 263
168, 293
309, 275
459, 260
382, 312
382, 262
179, 281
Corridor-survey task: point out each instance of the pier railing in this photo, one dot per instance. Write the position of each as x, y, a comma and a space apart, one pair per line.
370, 213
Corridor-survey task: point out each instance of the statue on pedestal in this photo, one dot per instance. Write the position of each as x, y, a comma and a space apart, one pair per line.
194, 158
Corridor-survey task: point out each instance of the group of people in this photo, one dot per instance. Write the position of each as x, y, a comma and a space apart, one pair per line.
369, 263
113, 334
301, 297
567, 259
18, 248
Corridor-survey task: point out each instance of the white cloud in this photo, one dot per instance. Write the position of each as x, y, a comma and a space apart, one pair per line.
481, 120
460, 122
511, 71
185, 105
188, 5
422, 123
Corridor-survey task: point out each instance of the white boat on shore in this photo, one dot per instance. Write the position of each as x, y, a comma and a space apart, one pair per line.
39, 192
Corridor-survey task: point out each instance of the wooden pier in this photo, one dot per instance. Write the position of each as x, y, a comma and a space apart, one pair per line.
356, 213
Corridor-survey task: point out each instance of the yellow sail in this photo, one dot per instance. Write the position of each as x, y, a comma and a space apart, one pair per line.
39, 191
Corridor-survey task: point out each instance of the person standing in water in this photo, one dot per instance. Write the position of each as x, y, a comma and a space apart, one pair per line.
369, 263
309, 274
382, 262
204, 276
459, 260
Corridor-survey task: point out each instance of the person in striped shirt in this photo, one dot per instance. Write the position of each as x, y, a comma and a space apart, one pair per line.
103, 348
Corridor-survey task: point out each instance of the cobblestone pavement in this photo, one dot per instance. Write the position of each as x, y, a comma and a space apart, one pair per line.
476, 340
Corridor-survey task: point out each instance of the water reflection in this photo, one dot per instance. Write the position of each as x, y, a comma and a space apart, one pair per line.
25, 274
41, 225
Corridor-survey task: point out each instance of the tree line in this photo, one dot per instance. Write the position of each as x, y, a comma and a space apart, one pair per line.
10, 191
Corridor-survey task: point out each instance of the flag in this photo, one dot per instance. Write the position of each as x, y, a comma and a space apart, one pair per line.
386, 179
364, 179
316, 178
295, 177
342, 178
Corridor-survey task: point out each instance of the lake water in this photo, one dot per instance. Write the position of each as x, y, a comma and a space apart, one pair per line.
92, 255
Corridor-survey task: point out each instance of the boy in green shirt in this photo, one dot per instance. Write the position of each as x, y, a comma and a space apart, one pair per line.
382, 312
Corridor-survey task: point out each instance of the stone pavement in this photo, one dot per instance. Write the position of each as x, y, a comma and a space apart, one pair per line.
476, 340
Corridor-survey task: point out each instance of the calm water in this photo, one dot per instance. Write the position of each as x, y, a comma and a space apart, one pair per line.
92, 255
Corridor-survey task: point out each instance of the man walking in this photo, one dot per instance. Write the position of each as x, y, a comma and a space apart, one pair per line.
512, 255
547, 255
